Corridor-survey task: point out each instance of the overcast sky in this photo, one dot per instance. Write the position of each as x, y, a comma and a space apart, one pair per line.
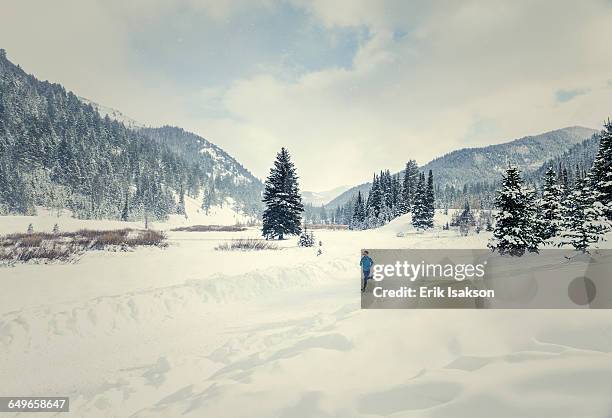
348, 86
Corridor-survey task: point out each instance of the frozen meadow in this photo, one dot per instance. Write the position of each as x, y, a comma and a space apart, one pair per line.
190, 331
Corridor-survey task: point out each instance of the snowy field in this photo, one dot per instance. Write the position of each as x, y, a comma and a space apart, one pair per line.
190, 331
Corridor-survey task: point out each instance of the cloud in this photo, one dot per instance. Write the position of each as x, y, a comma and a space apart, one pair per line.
563, 96
468, 74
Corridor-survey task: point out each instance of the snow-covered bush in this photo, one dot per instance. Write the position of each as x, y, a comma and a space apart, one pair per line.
307, 239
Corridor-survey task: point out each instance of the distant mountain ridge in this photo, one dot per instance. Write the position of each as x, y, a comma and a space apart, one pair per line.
321, 198
473, 165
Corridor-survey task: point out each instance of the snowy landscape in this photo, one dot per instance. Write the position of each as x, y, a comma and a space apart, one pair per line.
190, 331
190, 193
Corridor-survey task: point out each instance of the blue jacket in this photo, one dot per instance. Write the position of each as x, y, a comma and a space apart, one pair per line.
366, 263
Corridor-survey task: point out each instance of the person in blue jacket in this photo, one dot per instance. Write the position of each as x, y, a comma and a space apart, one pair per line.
366, 265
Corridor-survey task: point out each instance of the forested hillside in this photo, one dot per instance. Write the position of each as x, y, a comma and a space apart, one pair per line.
59, 152
474, 174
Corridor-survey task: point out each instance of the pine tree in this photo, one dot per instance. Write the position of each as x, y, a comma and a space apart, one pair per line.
411, 179
585, 222
375, 198
284, 207
397, 196
430, 201
515, 231
307, 238
125, 213
601, 177
420, 209
359, 213
550, 208
180, 207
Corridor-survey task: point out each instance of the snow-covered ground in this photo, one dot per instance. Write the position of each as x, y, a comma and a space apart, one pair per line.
45, 219
189, 331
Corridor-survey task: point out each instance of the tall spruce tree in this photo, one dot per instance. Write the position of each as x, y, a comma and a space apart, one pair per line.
430, 201
359, 214
284, 207
551, 207
125, 214
411, 179
585, 222
180, 207
420, 209
516, 228
375, 198
601, 177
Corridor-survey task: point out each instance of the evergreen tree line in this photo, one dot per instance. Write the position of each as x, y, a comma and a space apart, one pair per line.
58, 152
574, 213
390, 196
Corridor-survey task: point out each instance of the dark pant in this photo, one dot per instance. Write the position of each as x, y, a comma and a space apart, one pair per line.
366, 276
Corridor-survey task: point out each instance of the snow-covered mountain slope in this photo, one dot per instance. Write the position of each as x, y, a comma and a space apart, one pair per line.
322, 198
486, 164
114, 114
471, 165
229, 176
66, 152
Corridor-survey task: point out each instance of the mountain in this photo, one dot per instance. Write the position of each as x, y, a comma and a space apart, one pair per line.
485, 165
114, 114
228, 174
322, 198
470, 165
578, 157
60, 151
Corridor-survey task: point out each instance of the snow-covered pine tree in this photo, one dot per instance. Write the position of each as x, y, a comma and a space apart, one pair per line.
284, 207
397, 196
385, 215
125, 213
307, 238
387, 183
516, 227
584, 222
180, 207
411, 179
359, 213
601, 176
430, 201
419, 208
550, 207
375, 198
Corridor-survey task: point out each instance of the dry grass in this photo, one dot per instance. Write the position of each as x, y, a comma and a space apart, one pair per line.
327, 226
210, 228
45, 247
247, 244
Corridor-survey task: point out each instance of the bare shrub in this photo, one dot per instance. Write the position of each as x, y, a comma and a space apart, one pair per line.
148, 237
332, 227
246, 244
210, 228
45, 247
